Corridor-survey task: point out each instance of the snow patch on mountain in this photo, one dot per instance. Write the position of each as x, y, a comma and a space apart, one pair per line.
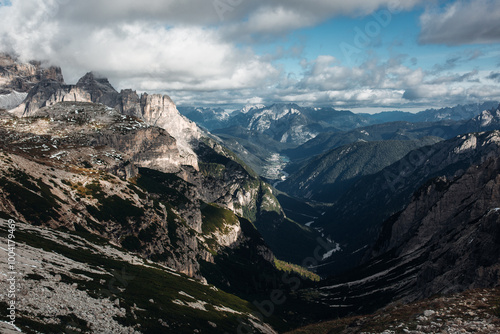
12, 100
249, 107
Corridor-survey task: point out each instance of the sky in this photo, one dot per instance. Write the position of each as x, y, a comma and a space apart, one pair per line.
362, 55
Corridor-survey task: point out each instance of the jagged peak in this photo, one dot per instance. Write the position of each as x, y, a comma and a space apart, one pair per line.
92, 76
94, 79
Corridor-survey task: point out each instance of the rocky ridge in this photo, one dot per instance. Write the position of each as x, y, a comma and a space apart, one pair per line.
326, 176
454, 222
89, 167
17, 76
373, 199
155, 110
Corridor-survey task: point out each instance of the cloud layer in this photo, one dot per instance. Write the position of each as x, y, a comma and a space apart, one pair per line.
462, 22
203, 52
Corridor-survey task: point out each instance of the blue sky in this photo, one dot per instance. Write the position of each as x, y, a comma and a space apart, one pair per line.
363, 55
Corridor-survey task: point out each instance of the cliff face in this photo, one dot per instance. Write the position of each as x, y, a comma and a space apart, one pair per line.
455, 223
155, 110
446, 239
85, 167
21, 77
364, 207
187, 151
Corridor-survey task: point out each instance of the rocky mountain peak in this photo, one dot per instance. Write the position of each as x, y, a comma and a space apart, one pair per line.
250, 107
99, 88
17, 76
92, 80
156, 110
487, 120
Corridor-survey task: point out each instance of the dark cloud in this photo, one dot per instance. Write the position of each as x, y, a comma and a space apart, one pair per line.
450, 64
495, 76
474, 54
456, 78
411, 94
462, 22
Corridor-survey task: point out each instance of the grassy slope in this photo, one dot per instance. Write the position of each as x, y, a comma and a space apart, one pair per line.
145, 283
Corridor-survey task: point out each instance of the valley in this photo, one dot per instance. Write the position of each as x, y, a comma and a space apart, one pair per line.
167, 219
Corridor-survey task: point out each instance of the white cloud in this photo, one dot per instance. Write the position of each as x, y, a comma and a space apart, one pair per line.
143, 55
462, 22
194, 53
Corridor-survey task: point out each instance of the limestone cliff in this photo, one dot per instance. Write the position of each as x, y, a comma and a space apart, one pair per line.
21, 77
155, 110
91, 128
195, 157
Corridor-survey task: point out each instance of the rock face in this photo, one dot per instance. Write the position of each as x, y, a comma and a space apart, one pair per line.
444, 240
373, 199
21, 77
155, 110
166, 140
86, 166
456, 224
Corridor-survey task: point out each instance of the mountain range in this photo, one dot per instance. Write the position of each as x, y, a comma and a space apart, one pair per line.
131, 218
293, 132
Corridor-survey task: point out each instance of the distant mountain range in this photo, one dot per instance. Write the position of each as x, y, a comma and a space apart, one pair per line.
274, 119
298, 133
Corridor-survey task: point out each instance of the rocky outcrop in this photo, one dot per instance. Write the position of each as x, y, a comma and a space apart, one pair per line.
175, 150
148, 147
21, 77
155, 110
45, 93
469, 312
76, 283
79, 148
98, 89
161, 111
